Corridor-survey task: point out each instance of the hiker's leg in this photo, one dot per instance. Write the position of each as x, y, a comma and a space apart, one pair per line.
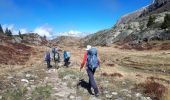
92, 81
64, 62
48, 64
67, 61
96, 90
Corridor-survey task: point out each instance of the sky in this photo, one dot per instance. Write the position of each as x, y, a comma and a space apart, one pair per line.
64, 17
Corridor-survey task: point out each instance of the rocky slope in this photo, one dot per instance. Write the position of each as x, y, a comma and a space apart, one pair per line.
133, 27
34, 38
65, 41
17, 51
13, 53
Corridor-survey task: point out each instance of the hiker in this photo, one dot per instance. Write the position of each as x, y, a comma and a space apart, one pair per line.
56, 56
92, 62
48, 59
66, 58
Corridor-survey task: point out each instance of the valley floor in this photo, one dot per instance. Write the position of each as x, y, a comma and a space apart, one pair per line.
123, 75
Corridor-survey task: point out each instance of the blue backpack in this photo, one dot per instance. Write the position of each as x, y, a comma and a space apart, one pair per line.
92, 59
66, 54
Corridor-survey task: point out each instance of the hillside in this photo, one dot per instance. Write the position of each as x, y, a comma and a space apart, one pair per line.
132, 28
65, 41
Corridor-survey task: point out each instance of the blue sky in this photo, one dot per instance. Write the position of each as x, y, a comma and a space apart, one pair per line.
62, 16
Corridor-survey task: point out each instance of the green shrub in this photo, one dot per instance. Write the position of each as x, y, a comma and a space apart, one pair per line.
15, 94
151, 21
41, 93
166, 23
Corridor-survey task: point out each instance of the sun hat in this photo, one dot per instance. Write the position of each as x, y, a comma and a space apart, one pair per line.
88, 47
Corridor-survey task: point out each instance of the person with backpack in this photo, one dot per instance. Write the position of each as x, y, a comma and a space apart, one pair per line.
56, 56
66, 58
48, 59
92, 62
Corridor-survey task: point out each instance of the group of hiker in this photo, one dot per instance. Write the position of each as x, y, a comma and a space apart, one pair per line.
55, 56
90, 60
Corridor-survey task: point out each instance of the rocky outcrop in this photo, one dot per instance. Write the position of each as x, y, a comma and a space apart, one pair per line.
133, 27
34, 38
157, 6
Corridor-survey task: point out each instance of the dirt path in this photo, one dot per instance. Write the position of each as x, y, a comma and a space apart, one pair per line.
60, 90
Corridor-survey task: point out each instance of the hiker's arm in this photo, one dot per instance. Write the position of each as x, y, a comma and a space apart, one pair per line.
84, 61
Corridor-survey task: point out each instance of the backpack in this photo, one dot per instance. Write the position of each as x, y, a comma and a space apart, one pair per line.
92, 59
54, 50
47, 56
67, 54
57, 57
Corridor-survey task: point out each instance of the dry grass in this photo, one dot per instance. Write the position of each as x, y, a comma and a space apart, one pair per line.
152, 89
114, 63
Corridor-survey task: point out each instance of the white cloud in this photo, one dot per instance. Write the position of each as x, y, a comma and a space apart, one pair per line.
13, 29
44, 30
71, 33
9, 26
23, 30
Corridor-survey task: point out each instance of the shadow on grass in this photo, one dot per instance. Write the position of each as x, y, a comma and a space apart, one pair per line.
84, 85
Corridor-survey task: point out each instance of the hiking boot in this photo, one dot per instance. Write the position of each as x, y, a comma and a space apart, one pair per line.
97, 94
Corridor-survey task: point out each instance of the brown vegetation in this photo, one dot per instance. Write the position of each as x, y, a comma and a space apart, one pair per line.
14, 54
146, 46
152, 89
112, 75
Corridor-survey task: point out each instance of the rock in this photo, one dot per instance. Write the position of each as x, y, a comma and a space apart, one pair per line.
0, 97
124, 90
10, 77
106, 92
28, 88
28, 75
129, 95
32, 81
119, 99
46, 78
94, 98
68, 77
60, 94
16, 40
123, 83
145, 98
72, 97
148, 98
64, 84
114, 93
24, 80
78, 98
109, 96
138, 94
33, 87
74, 84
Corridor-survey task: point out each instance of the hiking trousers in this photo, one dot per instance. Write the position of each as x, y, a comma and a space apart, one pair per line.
48, 64
92, 82
66, 62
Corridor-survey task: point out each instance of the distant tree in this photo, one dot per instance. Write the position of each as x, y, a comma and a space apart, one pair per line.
45, 37
8, 32
1, 29
20, 35
151, 21
166, 23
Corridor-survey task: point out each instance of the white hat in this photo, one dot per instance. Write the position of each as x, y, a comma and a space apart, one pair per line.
88, 47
